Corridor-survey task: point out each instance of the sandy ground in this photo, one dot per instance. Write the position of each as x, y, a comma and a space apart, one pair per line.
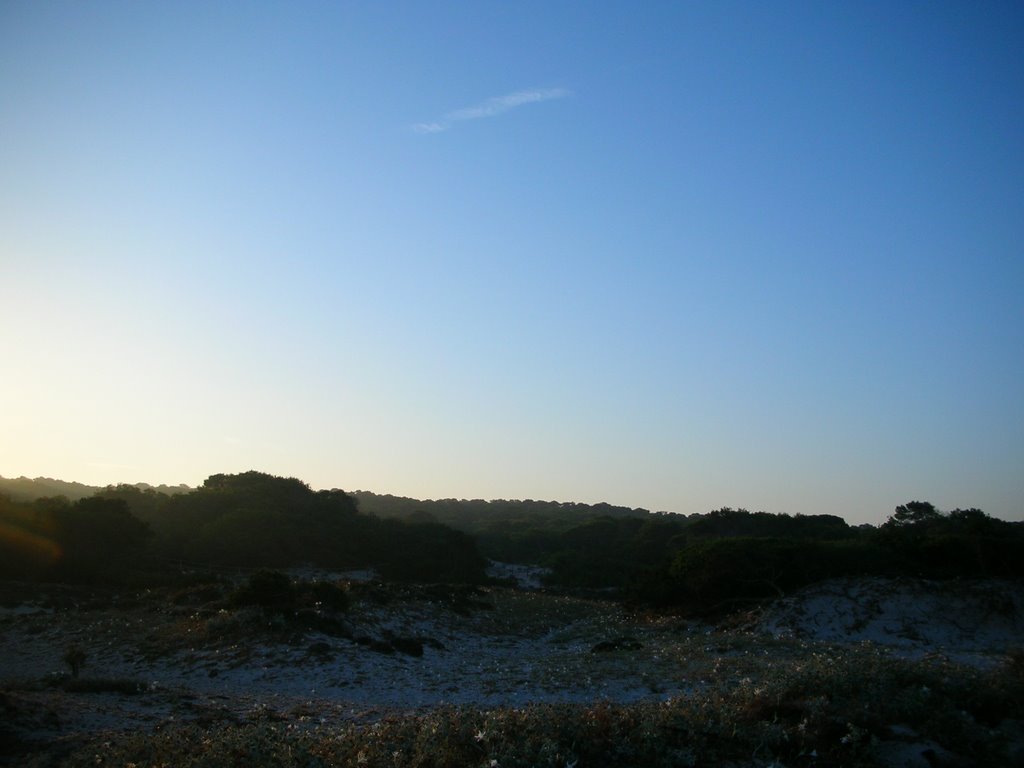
190, 657
970, 622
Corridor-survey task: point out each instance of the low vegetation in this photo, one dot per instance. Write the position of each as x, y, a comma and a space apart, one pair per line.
217, 555
858, 708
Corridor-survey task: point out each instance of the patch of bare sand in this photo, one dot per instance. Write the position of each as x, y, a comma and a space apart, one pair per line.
404, 649
396, 649
973, 622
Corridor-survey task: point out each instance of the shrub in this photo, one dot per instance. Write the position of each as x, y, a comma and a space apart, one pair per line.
719, 575
827, 709
75, 658
271, 590
324, 595
106, 685
296, 606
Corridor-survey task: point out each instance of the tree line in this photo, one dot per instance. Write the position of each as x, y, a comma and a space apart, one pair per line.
247, 520
726, 558
748, 559
697, 563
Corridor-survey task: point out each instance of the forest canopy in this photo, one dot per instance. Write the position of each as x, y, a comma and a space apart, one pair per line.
248, 520
697, 563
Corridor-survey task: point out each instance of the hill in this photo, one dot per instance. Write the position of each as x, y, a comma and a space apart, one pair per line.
32, 488
248, 520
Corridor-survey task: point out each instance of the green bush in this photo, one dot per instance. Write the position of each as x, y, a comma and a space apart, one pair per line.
429, 553
324, 595
967, 556
291, 606
120, 685
719, 575
271, 590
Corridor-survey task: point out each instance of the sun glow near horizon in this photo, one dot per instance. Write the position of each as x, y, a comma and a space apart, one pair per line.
679, 259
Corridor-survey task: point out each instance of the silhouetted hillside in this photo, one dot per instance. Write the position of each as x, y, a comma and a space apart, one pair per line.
719, 573
726, 558
30, 489
249, 520
477, 516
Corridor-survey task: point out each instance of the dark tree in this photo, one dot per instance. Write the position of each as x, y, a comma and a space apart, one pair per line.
913, 513
99, 539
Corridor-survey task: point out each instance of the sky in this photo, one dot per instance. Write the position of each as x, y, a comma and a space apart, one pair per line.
677, 256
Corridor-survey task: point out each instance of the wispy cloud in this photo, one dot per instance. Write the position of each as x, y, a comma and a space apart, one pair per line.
491, 108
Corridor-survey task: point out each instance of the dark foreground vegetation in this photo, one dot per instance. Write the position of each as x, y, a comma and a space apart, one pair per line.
858, 708
276, 671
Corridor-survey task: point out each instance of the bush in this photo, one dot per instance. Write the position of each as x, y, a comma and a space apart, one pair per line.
276, 594
429, 553
271, 590
719, 575
105, 685
965, 556
323, 595
75, 658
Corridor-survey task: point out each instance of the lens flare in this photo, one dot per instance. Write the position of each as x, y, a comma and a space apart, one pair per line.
26, 545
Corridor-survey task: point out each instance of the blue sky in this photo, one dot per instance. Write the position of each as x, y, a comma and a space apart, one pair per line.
671, 255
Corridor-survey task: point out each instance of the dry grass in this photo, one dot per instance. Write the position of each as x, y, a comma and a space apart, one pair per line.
729, 697
828, 708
